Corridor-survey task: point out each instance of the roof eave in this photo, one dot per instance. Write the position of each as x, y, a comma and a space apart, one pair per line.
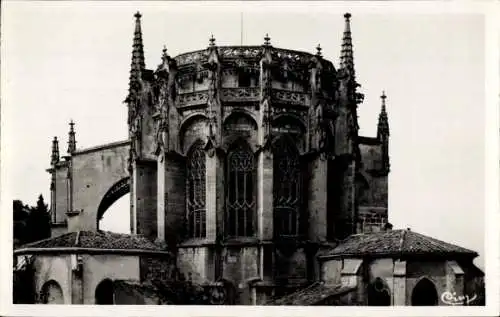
406, 255
80, 250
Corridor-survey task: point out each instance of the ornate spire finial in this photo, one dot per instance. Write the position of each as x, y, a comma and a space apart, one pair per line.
137, 65
212, 41
346, 54
71, 139
164, 55
318, 50
267, 40
54, 158
383, 120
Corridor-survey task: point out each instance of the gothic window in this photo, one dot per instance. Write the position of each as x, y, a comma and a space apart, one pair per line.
196, 216
286, 189
240, 192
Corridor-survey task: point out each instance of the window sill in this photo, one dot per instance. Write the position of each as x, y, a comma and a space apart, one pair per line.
241, 241
197, 242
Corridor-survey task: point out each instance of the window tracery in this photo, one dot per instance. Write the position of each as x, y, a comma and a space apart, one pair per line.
196, 212
240, 192
286, 188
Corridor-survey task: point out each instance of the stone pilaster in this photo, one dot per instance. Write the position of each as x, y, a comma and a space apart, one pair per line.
53, 205
265, 187
161, 203
454, 280
349, 206
399, 284
317, 228
133, 195
76, 280
145, 198
213, 182
175, 197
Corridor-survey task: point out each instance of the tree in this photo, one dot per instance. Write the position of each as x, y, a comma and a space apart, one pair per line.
30, 223
20, 218
39, 221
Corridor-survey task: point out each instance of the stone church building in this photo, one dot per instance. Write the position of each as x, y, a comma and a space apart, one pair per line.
247, 178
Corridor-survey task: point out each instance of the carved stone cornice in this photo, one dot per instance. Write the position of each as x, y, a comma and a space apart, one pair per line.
246, 94
192, 98
290, 97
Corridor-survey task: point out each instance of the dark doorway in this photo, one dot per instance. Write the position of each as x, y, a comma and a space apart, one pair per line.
424, 294
378, 293
52, 293
104, 293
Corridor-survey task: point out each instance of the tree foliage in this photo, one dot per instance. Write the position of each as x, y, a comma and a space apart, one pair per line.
31, 223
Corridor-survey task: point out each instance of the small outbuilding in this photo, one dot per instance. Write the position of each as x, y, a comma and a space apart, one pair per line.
403, 267
88, 267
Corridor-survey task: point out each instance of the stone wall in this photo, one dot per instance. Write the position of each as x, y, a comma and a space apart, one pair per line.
58, 230
175, 198
372, 219
193, 129
61, 193
291, 268
53, 268
94, 172
157, 268
331, 272
240, 263
341, 191
147, 127
371, 156
97, 268
145, 199
384, 269
317, 200
196, 263
435, 271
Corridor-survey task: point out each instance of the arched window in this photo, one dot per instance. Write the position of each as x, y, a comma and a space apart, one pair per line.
52, 293
196, 215
286, 188
240, 192
105, 293
424, 294
379, 293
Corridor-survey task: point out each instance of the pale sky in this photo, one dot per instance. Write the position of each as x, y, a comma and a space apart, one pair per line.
67, 61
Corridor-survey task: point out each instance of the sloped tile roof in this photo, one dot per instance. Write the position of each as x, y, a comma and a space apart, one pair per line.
311, 295
95, 240
395, 242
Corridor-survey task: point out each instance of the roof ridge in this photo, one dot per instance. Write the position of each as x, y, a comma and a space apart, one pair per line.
77, 239
437, 242
402, 240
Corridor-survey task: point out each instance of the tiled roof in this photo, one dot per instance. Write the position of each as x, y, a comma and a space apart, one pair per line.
311, 295
95, 240
395, 242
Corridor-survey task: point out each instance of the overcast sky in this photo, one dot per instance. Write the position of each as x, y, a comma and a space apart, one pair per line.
71, 61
